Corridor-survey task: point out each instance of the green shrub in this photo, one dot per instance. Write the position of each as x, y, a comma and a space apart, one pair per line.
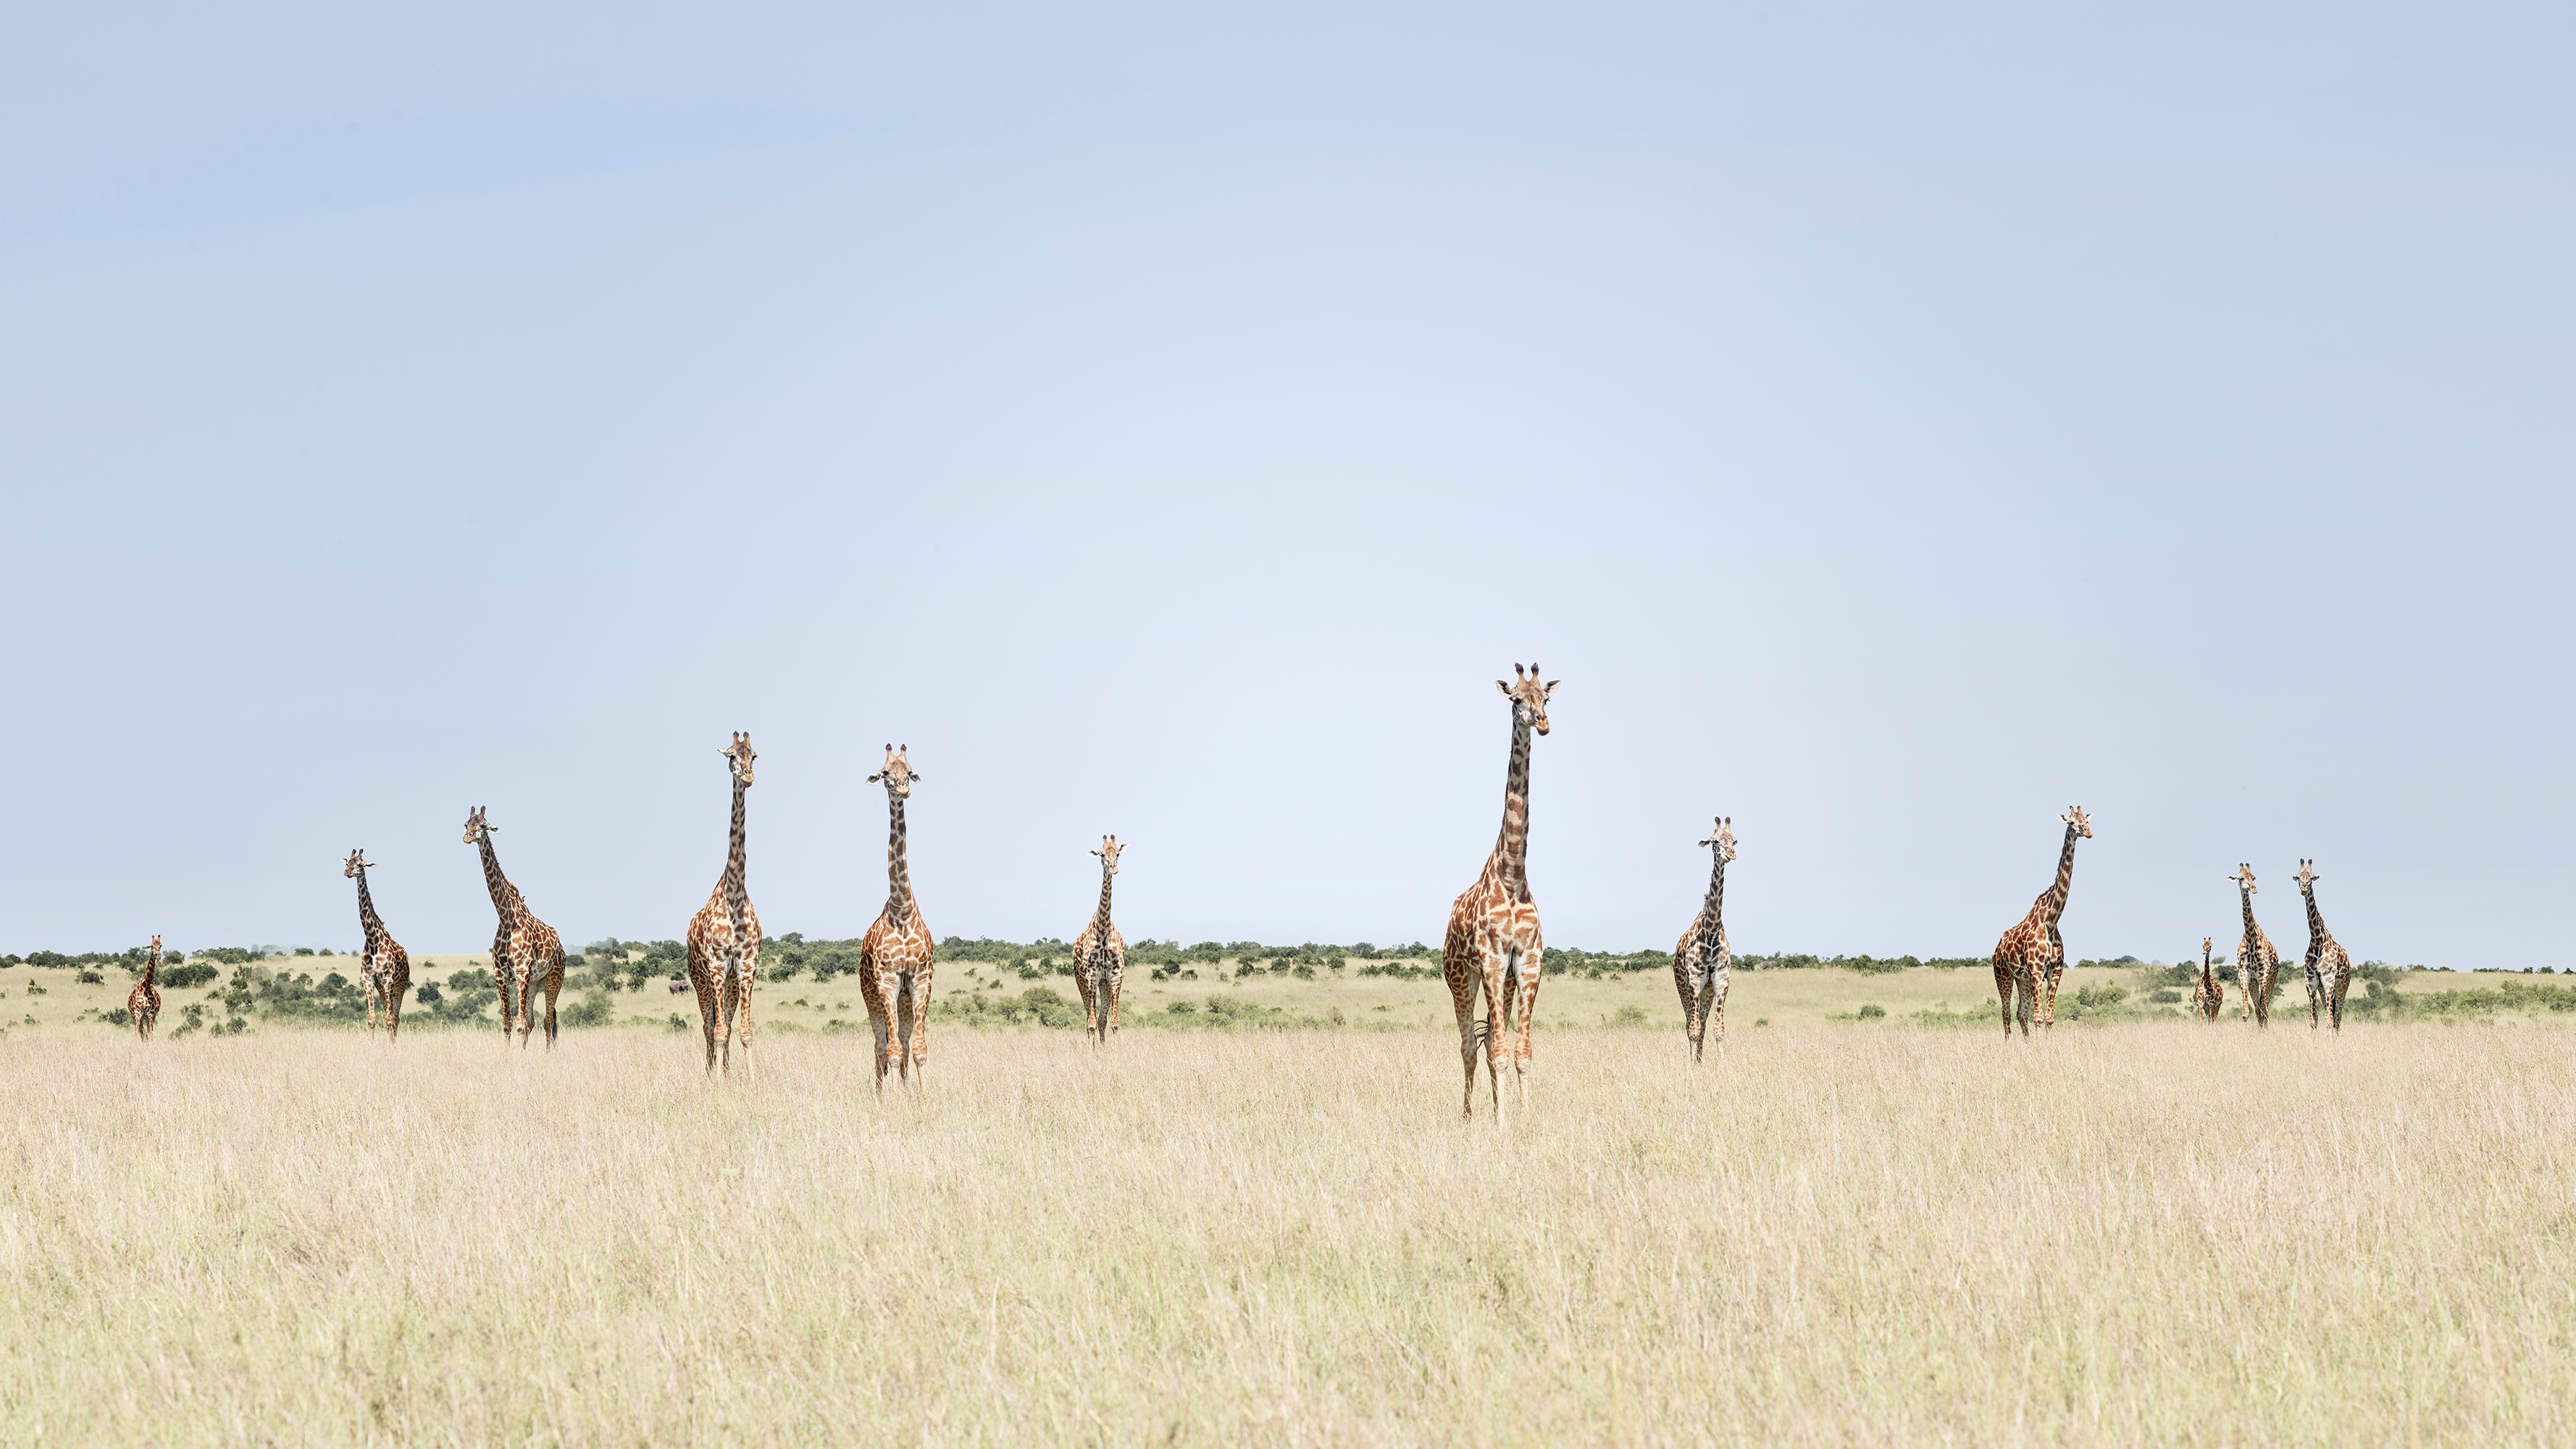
183, 977
594, 1009
1871, 1011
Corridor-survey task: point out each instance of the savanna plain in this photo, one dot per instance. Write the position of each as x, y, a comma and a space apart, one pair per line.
1841, 1228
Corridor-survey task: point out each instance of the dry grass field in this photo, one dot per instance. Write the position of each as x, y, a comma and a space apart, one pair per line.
1838, 1233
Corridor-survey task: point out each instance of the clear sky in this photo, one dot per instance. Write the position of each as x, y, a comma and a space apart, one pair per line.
1891, 429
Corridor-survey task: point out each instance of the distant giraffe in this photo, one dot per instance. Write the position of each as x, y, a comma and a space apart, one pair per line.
1493, 941
2257, 964
1100, 956
1701, 959
526, 952
2207, 998
724, 936
143, 1003
2031, 957
384, 969
894, 957
2329, 965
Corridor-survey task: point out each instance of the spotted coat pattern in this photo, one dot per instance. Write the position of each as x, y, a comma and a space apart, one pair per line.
527, 955
2329, 965
1702, 960
384, 968
1493, 943
724, 936
143, 1003
2257, 964
895, 955
1100, 956
2031, 957
2208, 998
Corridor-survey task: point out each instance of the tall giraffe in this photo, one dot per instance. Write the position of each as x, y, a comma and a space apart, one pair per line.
2207, 997
143, 1003
724, 936
1100, 956
2257, 964
1493, 940
894, 958
1702, 962
384, 969
526, 952
2031, 957
2329, 965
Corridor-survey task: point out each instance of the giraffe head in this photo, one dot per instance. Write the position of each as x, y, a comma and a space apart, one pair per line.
738, 757
2204, 950
897, 774
1108, 853
2078, 822
356, 863
2244, 878
1528, 697
478, 829
1723, 838
2308, 876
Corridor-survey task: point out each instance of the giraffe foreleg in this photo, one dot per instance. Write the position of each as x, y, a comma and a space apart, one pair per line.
1458, 967
746, 972
1498, 1031
2316, 997
1525, 1015
1087, 989
1117, 987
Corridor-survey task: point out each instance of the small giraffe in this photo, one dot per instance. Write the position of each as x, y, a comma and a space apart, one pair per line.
724, 936
894, 958
384, 969
2329, 965
2207, 998
1702, 961
526, 952
143, 1003
1100, 956
2257, 964
2031, 957
1493, 941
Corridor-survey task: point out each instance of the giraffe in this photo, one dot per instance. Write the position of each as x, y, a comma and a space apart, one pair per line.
2031, 957
1493, 940
526, 952
2207, 999
1702, 960
1100, 956
384, 969
2257, 964
724, 936
2329, 965
143, 1003
894, 958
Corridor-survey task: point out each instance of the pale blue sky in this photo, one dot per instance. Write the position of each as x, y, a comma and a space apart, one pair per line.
1891, 429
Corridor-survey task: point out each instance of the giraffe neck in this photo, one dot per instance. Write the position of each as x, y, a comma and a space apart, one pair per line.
734, 891
505, 896
1713, 913
367, 917
1511, 847
1100, 917
2053, 904
2316, 923
151, 968
898, 875
2246, 898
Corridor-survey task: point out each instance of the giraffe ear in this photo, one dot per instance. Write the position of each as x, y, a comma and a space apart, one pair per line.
1503, 689
1550, 690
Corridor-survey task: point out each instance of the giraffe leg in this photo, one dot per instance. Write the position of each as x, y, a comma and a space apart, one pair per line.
724, 1018
2004, 989
1712, 1015
1083, 987
2313, 994
921, 1031
1117, 985
554, 988
501, 986
744, 975
1682, 972
1458, 969
393, 1015
1525, 1012
1498, 1026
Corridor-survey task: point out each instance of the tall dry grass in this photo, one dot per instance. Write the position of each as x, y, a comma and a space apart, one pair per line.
2146, 1233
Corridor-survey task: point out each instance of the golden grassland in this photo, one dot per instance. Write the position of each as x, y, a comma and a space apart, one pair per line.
1834, 1233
